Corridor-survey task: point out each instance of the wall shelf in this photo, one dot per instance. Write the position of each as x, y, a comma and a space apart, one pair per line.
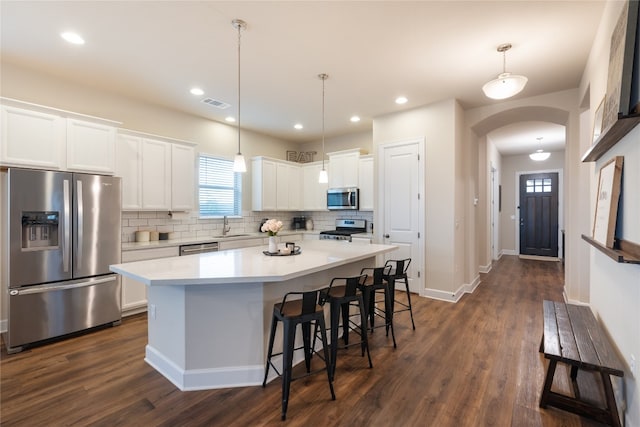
624, 251
611, 136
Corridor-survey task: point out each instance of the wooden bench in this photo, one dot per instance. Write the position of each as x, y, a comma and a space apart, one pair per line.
573, 336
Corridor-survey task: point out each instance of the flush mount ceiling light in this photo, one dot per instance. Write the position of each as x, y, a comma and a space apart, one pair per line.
355, 119
506, 84
239, 164
323, 178
71, 37
196, 91
401, 100
539, 155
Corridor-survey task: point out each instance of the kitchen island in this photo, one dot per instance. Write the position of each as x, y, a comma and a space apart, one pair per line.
209, 314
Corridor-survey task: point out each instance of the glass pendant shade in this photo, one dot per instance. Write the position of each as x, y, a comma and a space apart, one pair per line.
323, 178
505, 86
539, 156
239, 165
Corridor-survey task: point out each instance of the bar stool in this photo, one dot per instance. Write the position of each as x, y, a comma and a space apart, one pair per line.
292, 313
375, 283
343, 293
399, 272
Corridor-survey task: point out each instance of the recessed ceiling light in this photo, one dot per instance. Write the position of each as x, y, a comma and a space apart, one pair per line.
401, 100
298, 126
355, 119
71, 37
231, 119
196, 91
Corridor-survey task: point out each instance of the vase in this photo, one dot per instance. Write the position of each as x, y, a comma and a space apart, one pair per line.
273, 246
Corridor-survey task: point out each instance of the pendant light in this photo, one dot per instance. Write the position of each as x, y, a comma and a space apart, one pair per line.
239, 164
323, 178
539, 155
506, 84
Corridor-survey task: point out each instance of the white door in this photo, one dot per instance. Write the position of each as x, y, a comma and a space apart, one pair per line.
401, 202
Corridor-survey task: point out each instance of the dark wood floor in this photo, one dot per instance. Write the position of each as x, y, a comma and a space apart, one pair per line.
474, 363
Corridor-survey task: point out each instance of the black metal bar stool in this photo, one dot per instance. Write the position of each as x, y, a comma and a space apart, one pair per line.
341, 293
374, 285
292, 313
400, 267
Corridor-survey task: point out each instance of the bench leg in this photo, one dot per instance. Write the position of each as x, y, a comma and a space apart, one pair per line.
574, 381
612, 408
551, 370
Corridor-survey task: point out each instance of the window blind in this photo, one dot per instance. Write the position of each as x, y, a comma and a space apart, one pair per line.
219, 188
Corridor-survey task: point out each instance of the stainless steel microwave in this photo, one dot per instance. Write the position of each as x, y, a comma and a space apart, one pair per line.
343, 199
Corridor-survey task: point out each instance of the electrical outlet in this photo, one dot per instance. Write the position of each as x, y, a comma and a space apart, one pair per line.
152, 311
632, 365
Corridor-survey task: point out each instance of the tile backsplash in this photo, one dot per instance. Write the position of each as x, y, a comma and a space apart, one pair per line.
188, 224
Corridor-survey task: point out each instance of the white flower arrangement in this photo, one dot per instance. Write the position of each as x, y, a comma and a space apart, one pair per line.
271, 226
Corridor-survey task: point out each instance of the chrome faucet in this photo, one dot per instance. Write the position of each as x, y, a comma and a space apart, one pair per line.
225, 226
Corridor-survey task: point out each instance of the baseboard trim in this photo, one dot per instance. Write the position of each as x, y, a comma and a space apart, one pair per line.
540, 258
203, 379
3, 326
508, 252
484, 268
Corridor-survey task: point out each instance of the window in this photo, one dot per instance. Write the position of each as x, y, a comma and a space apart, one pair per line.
219, 188
539, 185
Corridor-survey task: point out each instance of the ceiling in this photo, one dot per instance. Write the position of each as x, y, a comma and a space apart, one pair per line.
373, 52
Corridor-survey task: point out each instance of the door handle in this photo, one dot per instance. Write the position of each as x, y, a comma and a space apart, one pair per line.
386, 236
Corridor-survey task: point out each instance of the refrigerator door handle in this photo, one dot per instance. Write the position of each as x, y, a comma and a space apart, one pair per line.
66, 250
80, 214
47, 288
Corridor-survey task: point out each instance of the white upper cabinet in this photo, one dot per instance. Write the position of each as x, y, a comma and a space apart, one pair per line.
343, 168
156, 174
263, 194
91, 147
47, 138
314, 193
277, 185
128, 167
32, 138
365, 182
183, 177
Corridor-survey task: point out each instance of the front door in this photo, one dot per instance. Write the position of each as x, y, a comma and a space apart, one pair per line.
399, 179
539, 214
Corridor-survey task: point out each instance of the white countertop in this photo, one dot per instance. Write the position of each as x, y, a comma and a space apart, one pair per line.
248, 265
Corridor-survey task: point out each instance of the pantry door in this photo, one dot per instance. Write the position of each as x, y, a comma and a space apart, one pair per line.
401, 202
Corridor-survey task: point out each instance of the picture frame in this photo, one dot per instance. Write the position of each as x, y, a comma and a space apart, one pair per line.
597, 123
609, 182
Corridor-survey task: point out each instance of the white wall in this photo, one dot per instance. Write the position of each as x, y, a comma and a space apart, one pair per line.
437, 124
615, 288
363, 140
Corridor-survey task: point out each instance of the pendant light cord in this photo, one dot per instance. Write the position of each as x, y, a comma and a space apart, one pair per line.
323, 77
239, 35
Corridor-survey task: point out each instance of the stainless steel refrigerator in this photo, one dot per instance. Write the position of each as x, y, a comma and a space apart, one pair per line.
63, 233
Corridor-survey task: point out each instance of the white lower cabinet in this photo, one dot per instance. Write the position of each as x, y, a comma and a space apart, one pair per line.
236, 244
134, 293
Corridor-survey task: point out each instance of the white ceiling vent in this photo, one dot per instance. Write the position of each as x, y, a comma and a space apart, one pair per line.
218, 104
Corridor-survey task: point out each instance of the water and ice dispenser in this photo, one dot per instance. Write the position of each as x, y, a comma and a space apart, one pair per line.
40, 230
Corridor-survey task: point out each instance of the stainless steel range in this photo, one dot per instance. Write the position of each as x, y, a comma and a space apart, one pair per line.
344, 229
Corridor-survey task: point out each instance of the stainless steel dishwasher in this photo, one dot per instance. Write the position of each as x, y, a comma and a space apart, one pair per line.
198, 248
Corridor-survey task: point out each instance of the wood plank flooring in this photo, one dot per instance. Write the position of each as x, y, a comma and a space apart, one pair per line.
474, 363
